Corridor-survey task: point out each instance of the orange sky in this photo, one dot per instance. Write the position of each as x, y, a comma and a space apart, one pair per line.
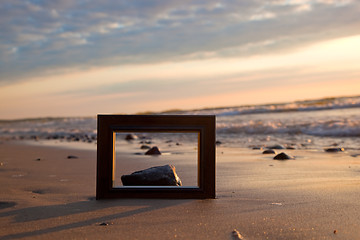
64, 58
326, 69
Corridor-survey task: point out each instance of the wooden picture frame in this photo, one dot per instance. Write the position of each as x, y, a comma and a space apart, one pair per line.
204, 125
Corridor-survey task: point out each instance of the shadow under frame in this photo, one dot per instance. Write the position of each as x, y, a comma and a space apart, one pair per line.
204, 125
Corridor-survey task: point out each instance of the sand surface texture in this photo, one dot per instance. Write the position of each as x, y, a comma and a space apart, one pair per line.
46, 195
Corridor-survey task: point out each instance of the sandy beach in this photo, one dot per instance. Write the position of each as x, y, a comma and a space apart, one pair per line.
46, 195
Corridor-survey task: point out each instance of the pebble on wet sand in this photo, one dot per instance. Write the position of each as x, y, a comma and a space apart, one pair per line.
145, 147
283, 156
333, 150
153, 151
130, 137
269, 151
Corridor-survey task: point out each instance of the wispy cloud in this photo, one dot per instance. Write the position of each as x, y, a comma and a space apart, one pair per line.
40, 35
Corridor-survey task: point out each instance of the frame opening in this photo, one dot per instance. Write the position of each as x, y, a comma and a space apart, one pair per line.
134, 152
113, 127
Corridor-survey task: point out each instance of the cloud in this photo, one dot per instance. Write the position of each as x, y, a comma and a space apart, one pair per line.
40, 36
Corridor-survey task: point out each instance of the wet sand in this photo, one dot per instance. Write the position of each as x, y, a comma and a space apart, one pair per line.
45, 195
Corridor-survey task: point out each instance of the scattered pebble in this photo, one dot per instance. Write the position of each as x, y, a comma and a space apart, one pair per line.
333, 150
130, 137
72, 157
145, 147
104, 224
335, 231
153, 151
269, 151
38, 159
283, 156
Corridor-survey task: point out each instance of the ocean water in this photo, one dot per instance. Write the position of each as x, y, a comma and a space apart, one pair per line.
313, 124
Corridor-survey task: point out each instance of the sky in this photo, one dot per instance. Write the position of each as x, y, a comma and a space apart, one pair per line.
83, 58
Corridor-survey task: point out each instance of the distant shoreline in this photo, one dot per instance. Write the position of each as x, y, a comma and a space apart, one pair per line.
309, 105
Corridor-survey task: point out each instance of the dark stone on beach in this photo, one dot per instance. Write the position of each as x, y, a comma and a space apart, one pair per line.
218, 142
334, 150
38, 159
283, 156
153, 151
130, 137
154, 176
276, 146
72, 157
269, 151
145, 147
257, 148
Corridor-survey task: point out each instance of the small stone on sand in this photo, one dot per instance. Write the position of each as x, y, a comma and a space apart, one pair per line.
269, 151
154, 176
153, 151
145, 147
129, 137
283, 156
334, 150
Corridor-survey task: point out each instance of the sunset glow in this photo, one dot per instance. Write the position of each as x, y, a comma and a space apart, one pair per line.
257, 69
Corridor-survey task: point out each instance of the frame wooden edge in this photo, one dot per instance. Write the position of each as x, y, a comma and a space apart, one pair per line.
205, 124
